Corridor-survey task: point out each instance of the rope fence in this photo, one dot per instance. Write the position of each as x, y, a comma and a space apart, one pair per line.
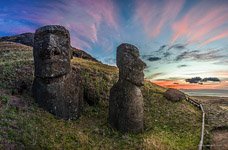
200, 106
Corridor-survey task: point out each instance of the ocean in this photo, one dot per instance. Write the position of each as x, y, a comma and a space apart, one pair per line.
207, 92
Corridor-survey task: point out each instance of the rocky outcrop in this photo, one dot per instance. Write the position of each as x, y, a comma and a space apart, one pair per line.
174, 95
25, 38
56, 87
28, 39
126, 100
82, 54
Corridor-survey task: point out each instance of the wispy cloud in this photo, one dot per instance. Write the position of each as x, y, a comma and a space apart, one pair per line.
155, 75
154, 15
200, 80
215, 38
177, 46
182, 66
161, 48
166, 54
202, 21
83, 18
200, 56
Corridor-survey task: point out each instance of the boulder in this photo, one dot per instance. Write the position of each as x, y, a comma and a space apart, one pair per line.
174, 95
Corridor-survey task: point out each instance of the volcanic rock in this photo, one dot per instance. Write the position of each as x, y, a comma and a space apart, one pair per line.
126, 100
56, 87
174, 95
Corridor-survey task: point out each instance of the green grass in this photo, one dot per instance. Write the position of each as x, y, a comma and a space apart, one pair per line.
167, 125
95, 66
176, 124
4, 99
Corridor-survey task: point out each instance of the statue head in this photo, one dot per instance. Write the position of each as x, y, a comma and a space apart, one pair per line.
51, 51
130, 65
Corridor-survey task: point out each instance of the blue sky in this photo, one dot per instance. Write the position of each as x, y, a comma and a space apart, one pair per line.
178, 39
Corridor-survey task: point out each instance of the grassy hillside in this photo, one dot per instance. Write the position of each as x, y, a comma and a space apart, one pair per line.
167, 125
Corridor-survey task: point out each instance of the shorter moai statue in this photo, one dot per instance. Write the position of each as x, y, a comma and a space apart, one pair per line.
56, 87
126, 100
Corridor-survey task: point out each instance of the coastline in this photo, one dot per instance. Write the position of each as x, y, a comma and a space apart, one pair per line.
206, 92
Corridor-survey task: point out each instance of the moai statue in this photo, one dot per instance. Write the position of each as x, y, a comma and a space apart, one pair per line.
56, 88
126, 100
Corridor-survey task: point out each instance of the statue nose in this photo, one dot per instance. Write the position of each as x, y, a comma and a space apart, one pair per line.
52, 45
142, 63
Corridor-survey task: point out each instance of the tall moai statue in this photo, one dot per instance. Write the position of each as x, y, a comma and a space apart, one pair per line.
126, 100
56, 88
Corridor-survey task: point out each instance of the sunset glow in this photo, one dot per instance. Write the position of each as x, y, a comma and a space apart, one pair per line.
184, 85
178, 40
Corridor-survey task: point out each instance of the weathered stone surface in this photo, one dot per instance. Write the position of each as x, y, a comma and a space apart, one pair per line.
61, 96
91, 96
174, 95
51, 51
129, 64
56, 87
126, 100
126, 107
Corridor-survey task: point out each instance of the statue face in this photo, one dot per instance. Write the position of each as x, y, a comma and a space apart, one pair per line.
51, 51
130, 65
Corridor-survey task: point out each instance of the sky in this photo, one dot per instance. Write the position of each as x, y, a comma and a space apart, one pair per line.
183, 42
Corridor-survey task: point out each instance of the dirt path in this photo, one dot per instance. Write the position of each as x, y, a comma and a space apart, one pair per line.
216, 109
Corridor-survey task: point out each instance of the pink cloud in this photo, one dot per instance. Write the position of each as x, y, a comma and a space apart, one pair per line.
78, 43
221, 74
86, 30
83, 17
201, 22
183, 85
215, 38
102, 10
155, 15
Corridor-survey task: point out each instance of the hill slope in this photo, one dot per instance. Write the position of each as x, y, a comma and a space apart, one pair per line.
24, 125
28, 39
24, 38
